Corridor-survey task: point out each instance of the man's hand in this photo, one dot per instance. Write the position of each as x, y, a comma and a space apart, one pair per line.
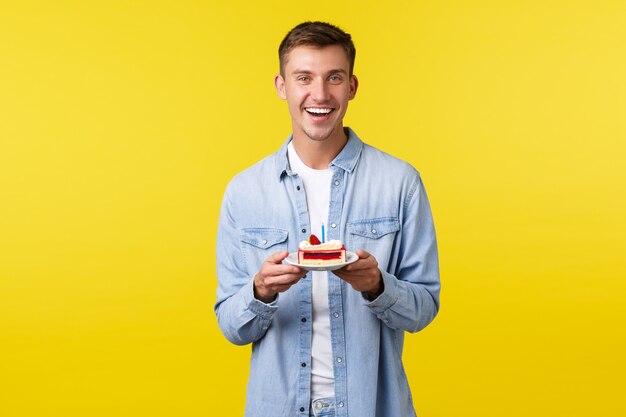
274, 277
363, 275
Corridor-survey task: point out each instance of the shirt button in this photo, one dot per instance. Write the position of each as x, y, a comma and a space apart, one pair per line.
341, 404
339, 360
374, 231
336, 315
303, 319
303, 365
265, 241
302, 409
298, 188
337, 183
333, 225
303, 230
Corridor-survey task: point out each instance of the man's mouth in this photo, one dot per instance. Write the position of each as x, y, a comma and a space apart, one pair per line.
319, 112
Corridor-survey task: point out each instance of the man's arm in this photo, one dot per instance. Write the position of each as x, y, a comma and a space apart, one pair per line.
408, 300
246, 305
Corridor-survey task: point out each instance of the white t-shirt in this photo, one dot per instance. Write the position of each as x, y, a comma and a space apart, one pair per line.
317, 188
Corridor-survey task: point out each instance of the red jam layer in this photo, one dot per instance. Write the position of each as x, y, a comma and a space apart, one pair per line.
321, 255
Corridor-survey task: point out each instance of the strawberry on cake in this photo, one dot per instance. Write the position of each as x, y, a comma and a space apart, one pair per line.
314, 252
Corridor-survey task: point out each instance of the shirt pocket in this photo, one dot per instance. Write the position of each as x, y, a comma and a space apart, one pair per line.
376, 236
258, 243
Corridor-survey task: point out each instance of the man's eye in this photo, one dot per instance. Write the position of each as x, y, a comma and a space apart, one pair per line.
335, 78
303, 79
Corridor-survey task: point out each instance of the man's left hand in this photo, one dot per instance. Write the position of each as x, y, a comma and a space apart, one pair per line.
363, 275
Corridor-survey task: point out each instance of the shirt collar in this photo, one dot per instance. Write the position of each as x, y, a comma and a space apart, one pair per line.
346, 160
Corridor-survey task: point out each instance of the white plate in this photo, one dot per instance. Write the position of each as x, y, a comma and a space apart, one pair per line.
292, 259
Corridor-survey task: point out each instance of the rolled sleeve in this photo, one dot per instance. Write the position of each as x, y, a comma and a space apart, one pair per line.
387, 298
264, 310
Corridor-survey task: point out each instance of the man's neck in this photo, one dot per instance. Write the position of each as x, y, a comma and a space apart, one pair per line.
319, 154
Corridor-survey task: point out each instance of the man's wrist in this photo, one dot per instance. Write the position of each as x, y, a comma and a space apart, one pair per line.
372, 295
263, 296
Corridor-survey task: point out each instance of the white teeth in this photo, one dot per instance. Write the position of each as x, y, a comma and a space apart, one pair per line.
318, 111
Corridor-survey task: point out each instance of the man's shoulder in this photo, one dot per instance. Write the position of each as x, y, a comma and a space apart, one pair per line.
265, 166
255, 175
386, 164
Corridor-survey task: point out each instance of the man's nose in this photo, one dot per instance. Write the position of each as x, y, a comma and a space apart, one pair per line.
320, 91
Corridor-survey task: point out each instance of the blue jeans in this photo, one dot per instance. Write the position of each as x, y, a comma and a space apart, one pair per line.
323, 407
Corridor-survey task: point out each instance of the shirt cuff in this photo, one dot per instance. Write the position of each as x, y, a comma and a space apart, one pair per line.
258, 307
388, 297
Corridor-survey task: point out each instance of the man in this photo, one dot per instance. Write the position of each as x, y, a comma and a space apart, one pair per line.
325, 343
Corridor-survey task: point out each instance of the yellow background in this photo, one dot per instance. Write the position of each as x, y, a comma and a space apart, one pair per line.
121, 122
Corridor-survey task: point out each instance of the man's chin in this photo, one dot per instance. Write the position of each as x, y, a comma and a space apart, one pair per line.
319, 136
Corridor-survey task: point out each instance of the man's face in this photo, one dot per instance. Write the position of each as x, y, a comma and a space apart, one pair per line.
317, 87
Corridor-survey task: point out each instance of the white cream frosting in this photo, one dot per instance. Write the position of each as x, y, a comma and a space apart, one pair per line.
330, 245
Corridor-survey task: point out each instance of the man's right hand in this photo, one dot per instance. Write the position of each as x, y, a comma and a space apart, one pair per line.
275, 277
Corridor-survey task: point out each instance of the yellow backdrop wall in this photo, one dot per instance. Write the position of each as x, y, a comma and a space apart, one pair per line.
122, 122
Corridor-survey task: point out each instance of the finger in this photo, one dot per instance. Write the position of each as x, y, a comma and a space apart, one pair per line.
281, 269
362, 264
339, 272
363, 254
285, 279
356, 266
343, 274
349, 278
277, 257
282, 288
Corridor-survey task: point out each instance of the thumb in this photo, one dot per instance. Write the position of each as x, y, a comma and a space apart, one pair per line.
362, 254
277, 257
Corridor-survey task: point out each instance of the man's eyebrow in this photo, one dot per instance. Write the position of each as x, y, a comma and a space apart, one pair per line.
308, 72
301, 71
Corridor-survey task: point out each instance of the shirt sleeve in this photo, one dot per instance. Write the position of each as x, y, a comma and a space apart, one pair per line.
241, 317
410, 300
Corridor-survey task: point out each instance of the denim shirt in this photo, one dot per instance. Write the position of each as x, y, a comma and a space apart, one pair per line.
378, 204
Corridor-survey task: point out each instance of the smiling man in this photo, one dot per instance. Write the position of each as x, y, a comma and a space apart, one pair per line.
325, 343
317, 85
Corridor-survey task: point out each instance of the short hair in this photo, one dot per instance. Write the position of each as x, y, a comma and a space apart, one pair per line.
316, 34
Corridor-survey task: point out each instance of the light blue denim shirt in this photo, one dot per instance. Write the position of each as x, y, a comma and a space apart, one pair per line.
378, 204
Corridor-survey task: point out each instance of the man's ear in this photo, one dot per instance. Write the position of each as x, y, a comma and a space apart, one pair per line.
279, 83
354, 85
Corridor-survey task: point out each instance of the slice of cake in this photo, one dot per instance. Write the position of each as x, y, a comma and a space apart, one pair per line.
313, 252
